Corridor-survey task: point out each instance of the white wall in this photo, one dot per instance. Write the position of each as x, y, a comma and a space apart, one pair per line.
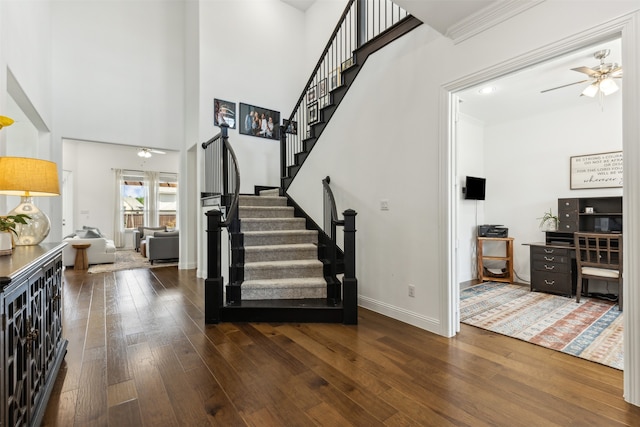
94, 186
246, 57
470, 213
118, 71
527, 166
25, 72
384, 144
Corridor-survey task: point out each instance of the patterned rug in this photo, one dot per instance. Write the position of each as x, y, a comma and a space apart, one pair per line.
127, 260
591, 329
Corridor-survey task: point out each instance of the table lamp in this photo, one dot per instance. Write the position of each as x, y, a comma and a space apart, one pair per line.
28, 178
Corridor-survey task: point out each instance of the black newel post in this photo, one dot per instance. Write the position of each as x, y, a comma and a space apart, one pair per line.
283, 153
350, 283
213, 285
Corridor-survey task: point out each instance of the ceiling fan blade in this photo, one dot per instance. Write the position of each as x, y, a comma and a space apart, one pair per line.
156, 151
560, 87
588, 71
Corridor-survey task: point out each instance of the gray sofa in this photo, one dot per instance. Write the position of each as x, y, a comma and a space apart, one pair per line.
139, 234
163, 246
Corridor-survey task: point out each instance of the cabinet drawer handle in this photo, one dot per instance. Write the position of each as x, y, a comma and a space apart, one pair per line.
549, 267
567, 226
566, 215
548, 251
549, 282
549, 258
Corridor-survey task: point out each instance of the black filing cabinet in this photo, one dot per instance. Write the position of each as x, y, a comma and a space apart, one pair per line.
551, 269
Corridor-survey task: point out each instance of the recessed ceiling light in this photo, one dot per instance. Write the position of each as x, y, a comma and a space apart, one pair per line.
487, 90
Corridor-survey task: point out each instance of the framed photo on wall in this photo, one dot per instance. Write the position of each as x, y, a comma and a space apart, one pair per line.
334, 79
224, 112
312, 94
312, 113
322, 88
290, 126
259, 122
601, 170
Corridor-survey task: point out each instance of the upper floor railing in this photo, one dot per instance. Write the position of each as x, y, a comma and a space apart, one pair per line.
361, 22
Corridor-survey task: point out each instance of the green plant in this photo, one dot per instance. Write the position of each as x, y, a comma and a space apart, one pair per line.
8, 223
548, 216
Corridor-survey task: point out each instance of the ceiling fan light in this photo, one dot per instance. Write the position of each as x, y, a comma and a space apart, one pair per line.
608, 86
144, 153
590, 90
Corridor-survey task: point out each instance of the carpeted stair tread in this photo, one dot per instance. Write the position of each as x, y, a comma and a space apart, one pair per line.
265, 212
294, 288
305, 268
279, 237
249, 200
270, 192
266, 224
280, 252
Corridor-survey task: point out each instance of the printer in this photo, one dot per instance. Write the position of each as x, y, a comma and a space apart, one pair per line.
492, 230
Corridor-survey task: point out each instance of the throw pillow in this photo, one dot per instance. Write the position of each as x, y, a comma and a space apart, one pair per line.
96, 229
148, 232
92, 234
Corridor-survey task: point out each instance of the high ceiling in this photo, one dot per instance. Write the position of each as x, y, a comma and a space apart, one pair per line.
519, 94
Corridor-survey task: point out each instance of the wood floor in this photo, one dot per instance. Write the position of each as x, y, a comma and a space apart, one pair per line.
140, 355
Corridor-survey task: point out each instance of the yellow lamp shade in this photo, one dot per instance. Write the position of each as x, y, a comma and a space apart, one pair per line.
22, 176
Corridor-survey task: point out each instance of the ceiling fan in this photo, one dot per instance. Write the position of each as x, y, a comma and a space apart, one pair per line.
147, 152
600, 77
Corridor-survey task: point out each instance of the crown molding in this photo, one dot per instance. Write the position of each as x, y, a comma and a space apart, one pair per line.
488, 17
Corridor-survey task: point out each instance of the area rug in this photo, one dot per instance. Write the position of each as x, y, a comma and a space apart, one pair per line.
127, 260
591, 329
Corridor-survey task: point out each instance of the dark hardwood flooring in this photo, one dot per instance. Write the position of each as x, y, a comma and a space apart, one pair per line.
140, 355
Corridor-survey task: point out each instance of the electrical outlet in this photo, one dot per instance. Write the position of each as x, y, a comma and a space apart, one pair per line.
412, 291
384, 205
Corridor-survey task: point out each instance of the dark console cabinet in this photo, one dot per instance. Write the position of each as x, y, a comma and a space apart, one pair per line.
553, 261
32, 347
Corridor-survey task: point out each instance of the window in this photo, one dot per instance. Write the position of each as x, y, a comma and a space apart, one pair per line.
148, 199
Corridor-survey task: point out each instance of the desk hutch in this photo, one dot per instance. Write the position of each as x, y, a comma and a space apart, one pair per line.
553, 267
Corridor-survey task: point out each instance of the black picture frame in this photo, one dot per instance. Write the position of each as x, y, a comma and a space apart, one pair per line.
322, 88
252, 127
312, 94
312, 113
224, 112
290, 126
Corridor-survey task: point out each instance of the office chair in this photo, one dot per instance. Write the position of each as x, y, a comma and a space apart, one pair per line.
598, 256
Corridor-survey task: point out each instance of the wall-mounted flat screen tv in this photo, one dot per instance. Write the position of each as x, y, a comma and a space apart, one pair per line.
474, 188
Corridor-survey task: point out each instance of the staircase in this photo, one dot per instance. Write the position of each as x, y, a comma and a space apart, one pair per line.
296, 148
280, 271
280, 254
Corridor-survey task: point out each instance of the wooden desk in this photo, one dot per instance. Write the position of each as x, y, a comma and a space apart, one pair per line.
507, 276
82, 260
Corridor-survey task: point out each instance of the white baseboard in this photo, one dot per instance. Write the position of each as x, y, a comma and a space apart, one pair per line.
412, 318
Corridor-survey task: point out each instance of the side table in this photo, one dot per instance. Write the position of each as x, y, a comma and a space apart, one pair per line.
507, 276
82, 261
